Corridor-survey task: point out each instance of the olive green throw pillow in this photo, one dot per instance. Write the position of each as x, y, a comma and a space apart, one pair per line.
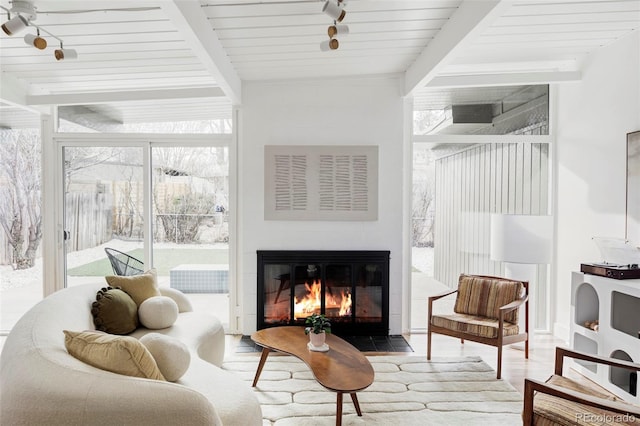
114, 311
118, 354
139, 287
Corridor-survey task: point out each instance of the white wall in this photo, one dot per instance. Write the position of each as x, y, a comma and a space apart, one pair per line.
364, 111
593, 118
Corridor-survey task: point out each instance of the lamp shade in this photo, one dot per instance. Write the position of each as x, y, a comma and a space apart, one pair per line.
521, 238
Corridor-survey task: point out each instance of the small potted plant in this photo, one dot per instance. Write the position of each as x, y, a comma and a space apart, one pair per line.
318, 326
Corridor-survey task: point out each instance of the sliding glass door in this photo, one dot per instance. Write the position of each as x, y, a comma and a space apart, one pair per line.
103, 208
162, 204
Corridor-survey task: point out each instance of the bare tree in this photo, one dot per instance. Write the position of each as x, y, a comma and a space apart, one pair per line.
20, 197
422, 222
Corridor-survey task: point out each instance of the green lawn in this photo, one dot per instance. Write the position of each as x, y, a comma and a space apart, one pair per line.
164, 260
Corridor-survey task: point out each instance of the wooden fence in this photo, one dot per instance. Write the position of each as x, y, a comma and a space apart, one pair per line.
88, 219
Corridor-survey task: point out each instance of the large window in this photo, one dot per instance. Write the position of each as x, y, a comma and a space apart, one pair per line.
20, 223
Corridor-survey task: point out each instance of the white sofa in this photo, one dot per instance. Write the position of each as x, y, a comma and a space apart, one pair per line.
40, 383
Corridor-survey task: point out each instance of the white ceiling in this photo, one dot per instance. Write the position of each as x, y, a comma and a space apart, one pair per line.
143, 58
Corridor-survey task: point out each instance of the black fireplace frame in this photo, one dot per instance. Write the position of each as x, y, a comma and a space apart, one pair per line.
324, 258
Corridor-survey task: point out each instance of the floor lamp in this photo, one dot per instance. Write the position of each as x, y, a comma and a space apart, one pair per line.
522, 242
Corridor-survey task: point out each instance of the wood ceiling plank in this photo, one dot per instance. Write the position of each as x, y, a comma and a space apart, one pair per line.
356, 55
592, 27
105, 67
572, 18
151, 48
380, 18
321, 30
562, 8
230, 44
92, 41
560, 37
221, 10
312, 48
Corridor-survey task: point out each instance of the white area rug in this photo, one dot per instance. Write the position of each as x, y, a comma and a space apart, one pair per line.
407, 390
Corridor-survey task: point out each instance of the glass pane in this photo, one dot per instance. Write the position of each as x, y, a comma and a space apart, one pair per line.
307, 290
20, 218
503, 110
277, 294
423, 209
103, 209
190, 201
368, 293
338, 297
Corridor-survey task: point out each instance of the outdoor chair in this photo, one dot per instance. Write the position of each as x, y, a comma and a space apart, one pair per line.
486, 311
562, 400
123, 264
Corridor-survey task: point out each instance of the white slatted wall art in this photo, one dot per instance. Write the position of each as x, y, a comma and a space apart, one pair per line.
470, 185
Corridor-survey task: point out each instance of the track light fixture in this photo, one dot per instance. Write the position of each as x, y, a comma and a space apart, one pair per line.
36, 41
63, 53
15, 25
334, 30
331, 44
24, 14
335, 9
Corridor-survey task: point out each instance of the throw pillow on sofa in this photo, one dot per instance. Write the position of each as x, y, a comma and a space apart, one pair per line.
158, 312
114, 311
118, 354
171, 354
139, 287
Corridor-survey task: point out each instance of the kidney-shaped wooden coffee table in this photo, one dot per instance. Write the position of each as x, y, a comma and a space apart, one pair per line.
342, 369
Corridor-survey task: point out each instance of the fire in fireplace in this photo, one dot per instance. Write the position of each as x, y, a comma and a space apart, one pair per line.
349, 287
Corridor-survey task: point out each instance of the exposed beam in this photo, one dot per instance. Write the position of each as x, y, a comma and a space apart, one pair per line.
14, 92
507, 79
132, 95
468, 22
193, 25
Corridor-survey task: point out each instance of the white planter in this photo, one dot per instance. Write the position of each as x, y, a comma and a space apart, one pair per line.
317, 340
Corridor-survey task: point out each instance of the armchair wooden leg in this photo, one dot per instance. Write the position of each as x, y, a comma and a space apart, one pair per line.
499, 361
527, 412
428, 344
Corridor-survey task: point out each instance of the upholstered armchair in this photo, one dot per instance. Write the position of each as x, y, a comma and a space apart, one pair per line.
562, 400
486, 311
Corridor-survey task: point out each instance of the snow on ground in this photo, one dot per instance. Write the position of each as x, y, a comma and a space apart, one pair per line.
422, 259
25, 277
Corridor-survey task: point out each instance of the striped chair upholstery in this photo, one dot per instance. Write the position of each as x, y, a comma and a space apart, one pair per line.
483, 297
550, 410
563, 400
478, 326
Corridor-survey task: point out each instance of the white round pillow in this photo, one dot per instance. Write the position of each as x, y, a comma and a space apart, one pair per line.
158, 312
171, 355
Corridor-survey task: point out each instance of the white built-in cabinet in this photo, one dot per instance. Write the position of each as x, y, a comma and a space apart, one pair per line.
616, 306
